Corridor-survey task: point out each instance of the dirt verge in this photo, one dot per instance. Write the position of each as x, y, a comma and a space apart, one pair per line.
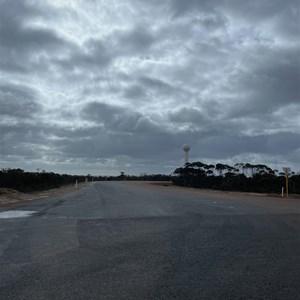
10, 196
168, 185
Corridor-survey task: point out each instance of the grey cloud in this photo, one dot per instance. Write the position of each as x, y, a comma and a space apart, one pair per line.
258, 10
288, 23
22, 152
120, 120
22, 140
155, 83
114, 118
73, 134
172, 92
9, 63
147, 87
283, 14
102, 112
108, 144
25, 132
35, 136
255, 10
272, 80
189, 115
93, 54
15, 32
35, 140
294, 156
18, 102
182, 7
25, 38
138, 39
283, 86
135, 92
220, 75
21, 42
210, 22
276, 144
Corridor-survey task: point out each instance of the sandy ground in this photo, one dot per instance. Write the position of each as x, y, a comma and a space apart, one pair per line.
168, 185
10, 197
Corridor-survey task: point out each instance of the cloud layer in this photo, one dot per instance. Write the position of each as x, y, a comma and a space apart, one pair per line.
107, 86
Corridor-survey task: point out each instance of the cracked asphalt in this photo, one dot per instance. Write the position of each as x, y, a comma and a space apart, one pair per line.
115, 240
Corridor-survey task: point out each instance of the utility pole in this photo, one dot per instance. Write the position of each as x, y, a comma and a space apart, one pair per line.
286, 172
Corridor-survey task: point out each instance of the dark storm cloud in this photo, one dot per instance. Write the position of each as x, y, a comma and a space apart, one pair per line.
155, 84
109, 144
135, 92
117, 118
92, 55
274, 144
182, 7
147, 87
272, 80
255, 10
98, 53
20, 41
189, 115
14, 34
22, 140
258, 10
104, 113
18, 101
210, 22
138, 39
289, 22
294, 156
34, 137
22, 151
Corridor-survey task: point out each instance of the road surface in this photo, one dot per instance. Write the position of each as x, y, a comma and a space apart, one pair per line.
114, 240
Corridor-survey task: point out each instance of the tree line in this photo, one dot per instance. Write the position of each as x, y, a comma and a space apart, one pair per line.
23, 181
240, 177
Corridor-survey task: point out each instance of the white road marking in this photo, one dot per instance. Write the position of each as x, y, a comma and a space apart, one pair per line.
15, 214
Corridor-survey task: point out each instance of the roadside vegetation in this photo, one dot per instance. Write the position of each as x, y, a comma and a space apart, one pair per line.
22, 181
242, 177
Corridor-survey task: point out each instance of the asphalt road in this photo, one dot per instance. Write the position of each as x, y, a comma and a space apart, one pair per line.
113, 240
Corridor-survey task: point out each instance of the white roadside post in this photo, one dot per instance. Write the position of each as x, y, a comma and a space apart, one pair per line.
76, 183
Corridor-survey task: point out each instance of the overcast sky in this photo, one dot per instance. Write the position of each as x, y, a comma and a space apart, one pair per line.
103, 86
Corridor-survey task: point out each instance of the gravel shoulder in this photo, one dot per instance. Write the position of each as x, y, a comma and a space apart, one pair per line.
11, 197
167, 186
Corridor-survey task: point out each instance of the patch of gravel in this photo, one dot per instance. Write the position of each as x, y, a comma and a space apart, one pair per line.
168, 185
10, 196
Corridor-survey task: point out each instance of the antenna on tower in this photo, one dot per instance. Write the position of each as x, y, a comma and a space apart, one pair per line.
186, 148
